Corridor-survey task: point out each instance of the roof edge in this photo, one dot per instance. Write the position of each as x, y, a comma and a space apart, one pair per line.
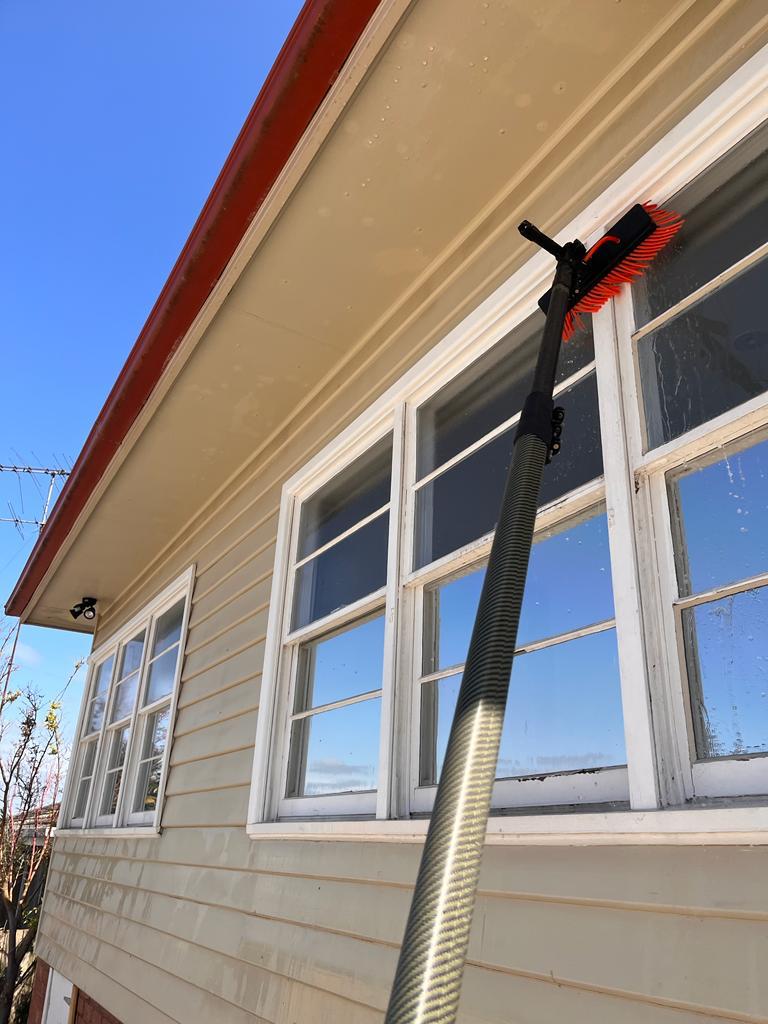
309, 62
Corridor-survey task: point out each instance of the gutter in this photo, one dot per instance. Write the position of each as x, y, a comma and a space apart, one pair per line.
309, 62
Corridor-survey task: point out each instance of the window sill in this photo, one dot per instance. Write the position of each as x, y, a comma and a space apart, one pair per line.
675, 827
129, 832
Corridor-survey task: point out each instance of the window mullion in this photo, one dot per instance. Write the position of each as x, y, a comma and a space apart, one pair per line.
387, 754
616, 409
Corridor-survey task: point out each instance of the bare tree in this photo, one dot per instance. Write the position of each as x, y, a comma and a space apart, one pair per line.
31, 763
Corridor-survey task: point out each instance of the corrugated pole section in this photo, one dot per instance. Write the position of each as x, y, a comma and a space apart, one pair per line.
428, 978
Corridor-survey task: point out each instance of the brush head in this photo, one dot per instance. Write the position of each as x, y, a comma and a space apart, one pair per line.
622, 254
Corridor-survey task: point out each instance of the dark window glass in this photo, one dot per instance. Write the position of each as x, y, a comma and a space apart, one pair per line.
563, 713
708, 360
726, 644
346, 572
463, 503
490, 391
340, 666
357, 492
335, 751
720, 513
726, 218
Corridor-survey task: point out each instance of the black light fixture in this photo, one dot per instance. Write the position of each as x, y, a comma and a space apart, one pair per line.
86, 607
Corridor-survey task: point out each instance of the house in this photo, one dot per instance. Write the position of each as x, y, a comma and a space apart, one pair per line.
284, 509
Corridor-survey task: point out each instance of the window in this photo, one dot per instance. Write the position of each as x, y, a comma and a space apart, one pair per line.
125, 720
641, 674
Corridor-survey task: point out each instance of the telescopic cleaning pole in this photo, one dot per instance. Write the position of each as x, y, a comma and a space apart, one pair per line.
429, 971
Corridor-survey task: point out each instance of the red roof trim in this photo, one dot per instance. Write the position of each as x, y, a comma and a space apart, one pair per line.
311, 58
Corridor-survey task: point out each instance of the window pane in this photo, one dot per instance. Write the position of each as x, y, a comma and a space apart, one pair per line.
708, 360
463, 503
162, 673
341, 666
348, 571
99, 699
726, 213
88, 755
117, 747
148, 785
568, 587
150, 766
490, 391
81, 801
335, 751
130, 656
168, 628
563, 713
724, 510
352, 495
727, 656
125, 693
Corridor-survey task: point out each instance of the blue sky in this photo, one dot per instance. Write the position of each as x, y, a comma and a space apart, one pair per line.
116, 118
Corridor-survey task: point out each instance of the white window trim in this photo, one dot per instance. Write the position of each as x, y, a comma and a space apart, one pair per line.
135, 825
722, 120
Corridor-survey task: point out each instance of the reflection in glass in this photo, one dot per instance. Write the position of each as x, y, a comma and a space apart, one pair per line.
490, 391
118, 744
343, 665
707, 360
725, 210
563, 713
463, 503
130, 656
99, 699
723, 509
168, 629
151, 763
352, 495
162, 673
568, 587
125, 692
726, 646
335, 751
86, 774
346, 572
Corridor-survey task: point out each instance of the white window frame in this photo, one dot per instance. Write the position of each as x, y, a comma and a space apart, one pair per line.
656, 774
125, 822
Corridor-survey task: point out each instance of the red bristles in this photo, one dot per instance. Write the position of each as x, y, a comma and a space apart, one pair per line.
667, 225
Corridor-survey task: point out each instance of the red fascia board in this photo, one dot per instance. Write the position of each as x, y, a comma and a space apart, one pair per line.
309, 62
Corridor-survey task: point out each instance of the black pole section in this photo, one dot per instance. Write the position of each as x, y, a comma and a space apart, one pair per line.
429, 971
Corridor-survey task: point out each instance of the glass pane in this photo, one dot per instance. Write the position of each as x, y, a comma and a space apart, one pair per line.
125, 693
89, 756
335, 751
340, 666
568, 587
168, 628
156, 734
130, 656
352, 495
348, 571
82, 798
723, 509
706, 361
111, 792
727, 656
148, 785
726, 218
563, 713
490, 391
463, 503
162, 673
117, 748
99, 699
